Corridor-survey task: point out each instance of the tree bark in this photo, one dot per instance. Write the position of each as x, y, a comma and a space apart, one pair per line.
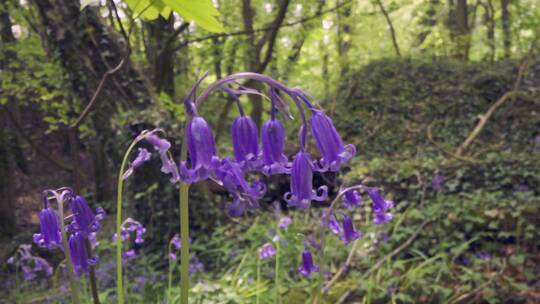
506, 22
8, 222
87, 49
390, 27
458, 23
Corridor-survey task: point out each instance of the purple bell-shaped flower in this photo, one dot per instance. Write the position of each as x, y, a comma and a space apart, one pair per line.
85, 221
351, 199
50, 236
349, 233
329, 143
231, 176
202, 151
273, 144
302, 183
267, 251
307, 266
380, 205
245, 140
79, 255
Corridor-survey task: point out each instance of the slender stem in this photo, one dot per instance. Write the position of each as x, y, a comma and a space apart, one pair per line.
92, 274
119, 281
169, 275
71, 272
258, 279
184, 230
276, 270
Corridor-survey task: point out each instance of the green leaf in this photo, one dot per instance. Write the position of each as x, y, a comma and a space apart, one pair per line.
202, 12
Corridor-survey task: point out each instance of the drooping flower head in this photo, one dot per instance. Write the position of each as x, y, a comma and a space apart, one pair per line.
329, 143
302, 192
30, 265
245, 140
273, 144
307, 266
50, 236
351, 199
160, 144
142, 156
284, 222
202, 151
267, 251
380, 205
85, 221
230, 174
79, 255
349, 233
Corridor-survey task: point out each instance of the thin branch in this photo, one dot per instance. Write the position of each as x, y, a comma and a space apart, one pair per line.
439, 147
93, 101
271, 35
244, 32
508, 95
399, 249
390, 26
343, 268
459, 298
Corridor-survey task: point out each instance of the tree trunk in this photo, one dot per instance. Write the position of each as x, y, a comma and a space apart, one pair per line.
87, 49
458, 23
158, 54
7, 200
507, 34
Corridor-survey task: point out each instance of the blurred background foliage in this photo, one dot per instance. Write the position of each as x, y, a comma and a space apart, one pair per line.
405, 81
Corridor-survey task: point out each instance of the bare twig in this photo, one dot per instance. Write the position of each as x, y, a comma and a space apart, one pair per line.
93, 100
462, 149
390, 27
343, 268
434, 143
399, 249
245, 32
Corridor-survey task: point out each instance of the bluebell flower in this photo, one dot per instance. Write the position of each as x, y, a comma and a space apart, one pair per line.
142, 156
232, 177
307, 266
349, 233
302, 192
79, 255
202, 151
329, 143
245, 140
437, 181
380, 205
85, 220
50, 236
30, 265
351, 199
267, 251
334, 226
159, 144
273, 144
284, 222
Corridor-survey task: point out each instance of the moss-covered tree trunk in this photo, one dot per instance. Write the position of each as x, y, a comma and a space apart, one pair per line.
87, 49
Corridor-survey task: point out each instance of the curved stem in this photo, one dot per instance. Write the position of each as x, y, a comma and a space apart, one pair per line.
169, 275
71, 272
184, 229
119, 281
257, 300
276, 270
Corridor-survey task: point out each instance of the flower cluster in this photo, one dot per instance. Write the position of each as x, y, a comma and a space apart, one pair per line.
174, 246
128, 228
30, 265
81, 230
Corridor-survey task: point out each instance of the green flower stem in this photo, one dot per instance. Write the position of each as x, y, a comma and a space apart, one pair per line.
71, 272
258, 279
92, 274
184, 230
276, 270
169, 275
119, 281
